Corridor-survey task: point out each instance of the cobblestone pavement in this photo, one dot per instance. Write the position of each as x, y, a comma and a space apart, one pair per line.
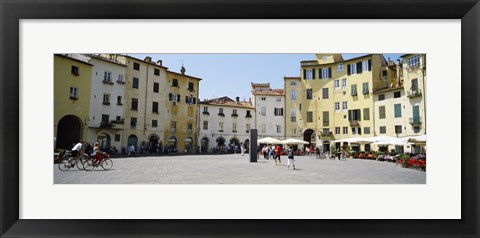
236, 169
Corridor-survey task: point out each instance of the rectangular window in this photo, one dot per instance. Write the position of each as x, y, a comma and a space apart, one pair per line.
344, 84
337, 106
365, 88
105, 118
366, 130
413, 61
75, 70
156, 72
381, 97
278, 111
397, 110
118, 118
326, 118
293, 115
234, 111
293, 82
354, 90
339, 67
73, 93
263, 111
336, 84
175, 83
308, 74
279, 128
365, 66
134, 104
190, 86
263, 98
344, 106
234, 127
414, 84
326, 73
119, 100
205, 125
106, 99
324, 93
117, 137
381, 112
309, 93
397, 94
294, 131
248, 127
337, 130
366, 114
356, 131
136, 66
248, 113
173, 125
189, 128
383, 130
309, 116
205, 109
155, 107
107, 76
156, 87
135, 83
345, 130
398, 129
154, 123
133, 122
120, 78
351, 69
294, 94
354, 115
279, 99
416, 129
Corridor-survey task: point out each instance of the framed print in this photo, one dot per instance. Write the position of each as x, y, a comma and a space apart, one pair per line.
37, 37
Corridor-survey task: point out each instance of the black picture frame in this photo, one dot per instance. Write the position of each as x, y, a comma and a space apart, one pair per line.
13, 11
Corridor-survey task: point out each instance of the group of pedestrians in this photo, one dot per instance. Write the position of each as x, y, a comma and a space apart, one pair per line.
275, 152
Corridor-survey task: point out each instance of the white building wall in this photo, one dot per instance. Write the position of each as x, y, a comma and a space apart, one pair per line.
97, 108
269, 121
213, 133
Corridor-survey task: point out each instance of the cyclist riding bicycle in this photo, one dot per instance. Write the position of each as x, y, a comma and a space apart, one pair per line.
77, 149
97, 154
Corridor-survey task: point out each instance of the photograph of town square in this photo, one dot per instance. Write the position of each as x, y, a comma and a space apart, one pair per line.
320, 118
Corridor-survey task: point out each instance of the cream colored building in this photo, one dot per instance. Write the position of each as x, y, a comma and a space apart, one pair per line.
333, 98
270, 110
71, 100
225, 122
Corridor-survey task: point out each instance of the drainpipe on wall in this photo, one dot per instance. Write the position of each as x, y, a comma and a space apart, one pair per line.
145, 112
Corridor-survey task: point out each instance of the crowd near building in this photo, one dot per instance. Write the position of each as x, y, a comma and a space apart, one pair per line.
118, 101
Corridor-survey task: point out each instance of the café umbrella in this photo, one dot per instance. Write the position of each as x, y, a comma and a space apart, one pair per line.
268, 140
292, 141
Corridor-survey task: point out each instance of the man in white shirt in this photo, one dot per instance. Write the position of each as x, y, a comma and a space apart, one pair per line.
77, 149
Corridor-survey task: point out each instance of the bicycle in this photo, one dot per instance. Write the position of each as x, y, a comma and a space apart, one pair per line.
68, 161
106, 163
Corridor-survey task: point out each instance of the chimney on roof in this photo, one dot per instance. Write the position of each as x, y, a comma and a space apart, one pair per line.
159, 62
148, 59
182, 70
237, 99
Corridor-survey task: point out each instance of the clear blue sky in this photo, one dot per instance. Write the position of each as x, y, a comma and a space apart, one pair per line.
231, 74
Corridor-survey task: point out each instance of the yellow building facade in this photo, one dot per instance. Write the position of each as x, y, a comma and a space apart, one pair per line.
72, 83
181, 111
333, 98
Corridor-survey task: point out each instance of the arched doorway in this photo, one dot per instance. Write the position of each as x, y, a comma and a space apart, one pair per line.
132, 140
307, 136
234, 145
188, 144
69, 131
172, 143
220, 141
103, 140
153, 143
204, 145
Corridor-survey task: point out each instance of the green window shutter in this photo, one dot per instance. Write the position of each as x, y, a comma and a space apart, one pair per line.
369, 65
348, 69
330, 72
398, 110
304, 74
313, 73
359, 67
416, 114
320, 75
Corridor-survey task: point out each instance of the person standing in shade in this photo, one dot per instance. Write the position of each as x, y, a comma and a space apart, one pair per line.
290, 158
242, 149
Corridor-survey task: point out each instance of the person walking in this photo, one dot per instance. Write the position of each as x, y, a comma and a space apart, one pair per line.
290, 158
278, 152
242, 148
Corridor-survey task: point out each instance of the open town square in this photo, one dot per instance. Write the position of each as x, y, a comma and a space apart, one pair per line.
237, 169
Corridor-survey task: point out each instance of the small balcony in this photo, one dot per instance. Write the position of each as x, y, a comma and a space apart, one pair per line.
106, 103
106, 125
413, 93
328, 136
248, 116
221, 114
109, 82
234, 115
120, 82
354, 123
206, 113
415, 120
